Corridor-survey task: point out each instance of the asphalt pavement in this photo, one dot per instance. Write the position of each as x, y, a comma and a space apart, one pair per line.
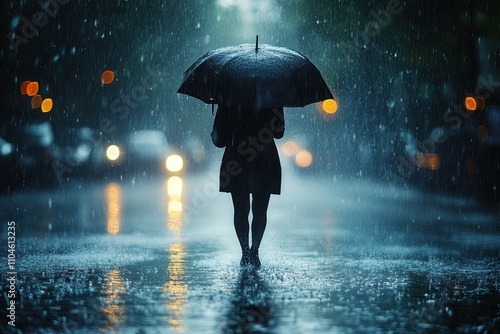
160, 255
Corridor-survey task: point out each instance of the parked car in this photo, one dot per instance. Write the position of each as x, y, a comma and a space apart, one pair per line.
195, 153
80, 152
36, 156
461, 160
143, 153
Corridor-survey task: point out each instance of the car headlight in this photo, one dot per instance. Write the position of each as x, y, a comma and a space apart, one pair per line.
113, 153
174, 163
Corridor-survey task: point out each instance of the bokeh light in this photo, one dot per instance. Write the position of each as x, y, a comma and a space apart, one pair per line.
174, 187
47, 105
107, 77
430, 161
433, 161
32, 88
330, 106
290, 148
304, 159
473, 103
470, 103
36, 101
24, 87
482, 133
174, 163
113, 152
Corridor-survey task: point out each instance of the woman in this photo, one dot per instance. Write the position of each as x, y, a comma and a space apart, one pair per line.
250, 165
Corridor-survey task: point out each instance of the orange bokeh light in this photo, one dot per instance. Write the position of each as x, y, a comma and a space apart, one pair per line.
304, 159
330, 106
36, 101
32, 88
473, 103
107, 77
482, 133
433, 161
430, 161
290, 148
24, 87
47, 105
470, 103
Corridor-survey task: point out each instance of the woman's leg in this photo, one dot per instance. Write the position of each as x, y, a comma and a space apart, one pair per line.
241, 203
260, 203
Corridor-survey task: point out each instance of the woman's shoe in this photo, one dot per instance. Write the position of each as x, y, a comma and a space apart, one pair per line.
245, 258
254, 259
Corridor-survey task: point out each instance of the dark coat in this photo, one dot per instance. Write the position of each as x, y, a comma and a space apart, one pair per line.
250, 163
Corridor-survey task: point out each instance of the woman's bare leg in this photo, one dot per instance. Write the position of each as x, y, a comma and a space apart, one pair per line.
260, 202
241, 203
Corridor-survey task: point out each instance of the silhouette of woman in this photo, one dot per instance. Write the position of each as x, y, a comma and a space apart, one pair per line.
250, 165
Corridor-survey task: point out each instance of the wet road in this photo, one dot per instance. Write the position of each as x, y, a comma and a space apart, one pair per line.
161, 256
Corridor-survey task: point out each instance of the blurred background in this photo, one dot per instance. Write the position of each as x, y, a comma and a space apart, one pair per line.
88, 89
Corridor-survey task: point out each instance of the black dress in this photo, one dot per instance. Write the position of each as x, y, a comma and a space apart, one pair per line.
250, 163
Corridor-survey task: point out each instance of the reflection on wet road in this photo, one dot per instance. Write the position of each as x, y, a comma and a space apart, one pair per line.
160, 255
251, 308
176, 287
113, 306
113, 201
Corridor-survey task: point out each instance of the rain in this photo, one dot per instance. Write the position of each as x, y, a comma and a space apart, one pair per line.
388, 213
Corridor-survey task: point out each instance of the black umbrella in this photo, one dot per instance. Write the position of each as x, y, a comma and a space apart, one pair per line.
259, 76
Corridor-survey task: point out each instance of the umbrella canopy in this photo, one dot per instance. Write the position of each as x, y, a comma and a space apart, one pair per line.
259, 76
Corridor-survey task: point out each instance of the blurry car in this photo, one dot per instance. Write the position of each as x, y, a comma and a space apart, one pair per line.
144, 152
80, 151
195, 153
36, 156
461, 160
